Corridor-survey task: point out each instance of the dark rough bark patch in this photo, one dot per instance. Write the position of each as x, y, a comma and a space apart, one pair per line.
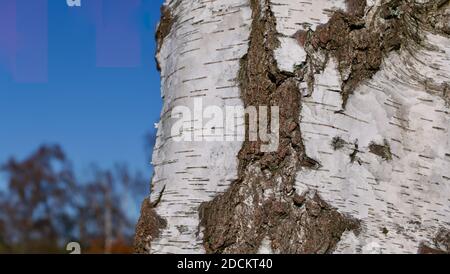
357, 49
441, 244
360, 46
424, 249
148, 227
263, 201
383, 151
165, 25
442, 239
356, 7
440, 21
338, 143
321, 224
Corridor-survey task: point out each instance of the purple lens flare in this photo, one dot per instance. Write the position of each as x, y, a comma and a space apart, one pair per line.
24, 36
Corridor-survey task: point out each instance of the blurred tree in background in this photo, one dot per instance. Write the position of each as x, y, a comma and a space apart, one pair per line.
44, 206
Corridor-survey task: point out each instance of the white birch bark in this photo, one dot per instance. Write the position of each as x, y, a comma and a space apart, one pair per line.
199, 59
401, 203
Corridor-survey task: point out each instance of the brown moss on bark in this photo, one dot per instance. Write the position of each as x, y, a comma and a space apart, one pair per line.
263, 201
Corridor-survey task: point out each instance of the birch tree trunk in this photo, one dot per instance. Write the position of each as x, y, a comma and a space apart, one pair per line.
363, 160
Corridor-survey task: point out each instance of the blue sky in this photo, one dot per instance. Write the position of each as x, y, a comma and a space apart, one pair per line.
99, 113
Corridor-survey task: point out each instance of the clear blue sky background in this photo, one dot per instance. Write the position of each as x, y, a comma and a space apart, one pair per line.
97, 114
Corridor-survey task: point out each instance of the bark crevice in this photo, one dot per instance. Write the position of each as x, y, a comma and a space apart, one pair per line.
263, 202
360, 39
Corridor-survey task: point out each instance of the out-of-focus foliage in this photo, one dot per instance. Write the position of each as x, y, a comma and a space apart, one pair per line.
44, 206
